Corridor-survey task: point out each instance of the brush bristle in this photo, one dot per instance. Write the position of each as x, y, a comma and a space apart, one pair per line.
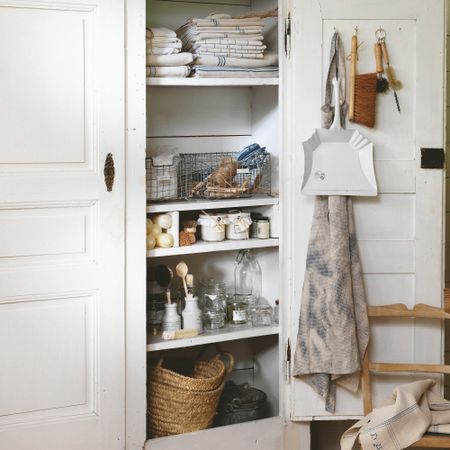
365, 99
393, 82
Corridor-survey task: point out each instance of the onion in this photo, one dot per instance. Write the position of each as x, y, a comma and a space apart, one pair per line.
151, 242
149, 226
164, 221
165, 240
155, 230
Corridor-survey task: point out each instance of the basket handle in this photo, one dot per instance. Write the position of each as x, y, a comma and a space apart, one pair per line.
160, 362
230, 361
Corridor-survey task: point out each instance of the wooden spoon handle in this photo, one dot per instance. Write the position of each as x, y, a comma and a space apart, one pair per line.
353, 56
378, 58
385, 53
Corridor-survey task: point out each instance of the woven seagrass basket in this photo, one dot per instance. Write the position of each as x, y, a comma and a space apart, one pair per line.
181, 404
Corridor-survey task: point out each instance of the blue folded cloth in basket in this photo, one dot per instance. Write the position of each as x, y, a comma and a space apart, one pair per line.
253, 156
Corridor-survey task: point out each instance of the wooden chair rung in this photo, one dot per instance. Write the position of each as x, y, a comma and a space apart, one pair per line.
433, 441
420, 368
400, 310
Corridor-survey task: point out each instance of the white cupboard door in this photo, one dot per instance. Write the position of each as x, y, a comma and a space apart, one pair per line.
61, 231
400, 232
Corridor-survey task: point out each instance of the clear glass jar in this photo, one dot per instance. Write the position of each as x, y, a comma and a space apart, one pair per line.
247, 275
237, 310
213, 318
214, 296
262, 316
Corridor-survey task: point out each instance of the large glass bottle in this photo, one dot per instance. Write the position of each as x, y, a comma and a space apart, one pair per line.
247, 276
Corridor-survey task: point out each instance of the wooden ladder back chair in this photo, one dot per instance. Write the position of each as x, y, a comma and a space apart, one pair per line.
401, 311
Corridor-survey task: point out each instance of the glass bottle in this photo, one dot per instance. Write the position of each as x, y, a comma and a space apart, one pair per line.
247, 275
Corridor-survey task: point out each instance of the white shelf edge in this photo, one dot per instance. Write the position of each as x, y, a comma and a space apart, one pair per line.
230, 333
197, 204
207, 247
153, 81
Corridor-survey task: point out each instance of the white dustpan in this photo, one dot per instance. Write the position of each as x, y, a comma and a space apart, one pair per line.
337, 161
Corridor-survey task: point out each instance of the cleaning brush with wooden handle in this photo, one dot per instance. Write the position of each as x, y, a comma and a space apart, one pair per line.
363, 92
394, 83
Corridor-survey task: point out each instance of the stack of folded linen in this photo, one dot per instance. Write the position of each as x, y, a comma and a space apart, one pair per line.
227, 47
164, 57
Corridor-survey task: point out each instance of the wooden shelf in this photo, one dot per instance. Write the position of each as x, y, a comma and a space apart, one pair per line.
207, 247
229, 333
199, 204
212, 81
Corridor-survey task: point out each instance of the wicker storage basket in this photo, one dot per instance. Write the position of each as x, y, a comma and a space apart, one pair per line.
180, 404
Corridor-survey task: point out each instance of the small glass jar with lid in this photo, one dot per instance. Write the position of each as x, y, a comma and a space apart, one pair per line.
262, 316
214, 295
238, 309
213, 318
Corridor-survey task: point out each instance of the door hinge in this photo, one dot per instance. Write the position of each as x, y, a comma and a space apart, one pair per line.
287, 36
432, 158
288, 361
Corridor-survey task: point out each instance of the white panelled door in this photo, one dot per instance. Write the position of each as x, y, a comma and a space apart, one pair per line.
400, 232
61, 232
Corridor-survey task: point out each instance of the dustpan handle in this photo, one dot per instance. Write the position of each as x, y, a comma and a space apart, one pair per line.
336, 125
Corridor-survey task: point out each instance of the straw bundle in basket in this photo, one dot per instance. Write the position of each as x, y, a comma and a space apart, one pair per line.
180, 404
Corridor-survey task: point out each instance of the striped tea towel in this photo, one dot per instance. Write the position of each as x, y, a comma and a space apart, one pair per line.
413, 410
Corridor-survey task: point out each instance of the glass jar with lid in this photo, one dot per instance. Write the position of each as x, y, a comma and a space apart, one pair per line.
247, 275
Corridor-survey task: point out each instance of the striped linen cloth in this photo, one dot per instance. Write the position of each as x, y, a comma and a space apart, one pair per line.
414, 409
220, 35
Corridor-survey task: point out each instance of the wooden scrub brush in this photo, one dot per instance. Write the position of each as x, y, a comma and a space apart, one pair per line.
363, 92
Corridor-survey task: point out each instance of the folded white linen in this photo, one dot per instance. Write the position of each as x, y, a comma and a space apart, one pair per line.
190, 33
230, 30
162, 72
233, 47
269, 59
235, 72
230, 54
250, 36
179, 59
163, 41
160, 32
227, 22
172, 42
162, 50
239, 41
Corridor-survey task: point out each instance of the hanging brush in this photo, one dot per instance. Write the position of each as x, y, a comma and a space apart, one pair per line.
363, 92
382, 82
394, 83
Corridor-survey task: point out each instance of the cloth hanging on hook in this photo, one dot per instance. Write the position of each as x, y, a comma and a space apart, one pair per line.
333, 328
335, 69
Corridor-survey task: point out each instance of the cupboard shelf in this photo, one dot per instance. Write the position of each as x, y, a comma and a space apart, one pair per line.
199, 204
207, 247
212, 81
229, 333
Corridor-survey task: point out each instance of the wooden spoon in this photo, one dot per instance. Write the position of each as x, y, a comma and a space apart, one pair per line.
182, 271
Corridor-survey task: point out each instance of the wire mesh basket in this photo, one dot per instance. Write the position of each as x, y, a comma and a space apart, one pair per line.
162, 178
223, 175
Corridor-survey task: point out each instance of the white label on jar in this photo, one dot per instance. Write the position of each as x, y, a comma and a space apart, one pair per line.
239, 316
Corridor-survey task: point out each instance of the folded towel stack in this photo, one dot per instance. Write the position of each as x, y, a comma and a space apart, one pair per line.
164, 57
219, 41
